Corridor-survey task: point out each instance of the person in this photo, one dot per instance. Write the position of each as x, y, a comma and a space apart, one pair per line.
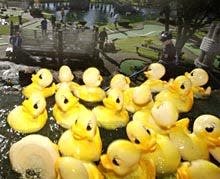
103, 36
53, 21
44, 26
116, 19
16, 41
62, 13
168, 56
96, 31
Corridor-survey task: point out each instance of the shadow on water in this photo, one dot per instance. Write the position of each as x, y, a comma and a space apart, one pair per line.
9, 99
11, 96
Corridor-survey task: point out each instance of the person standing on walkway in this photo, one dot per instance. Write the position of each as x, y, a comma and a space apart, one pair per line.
62, 13
53, 21
116, 19
103, 36
44, 27
16, 41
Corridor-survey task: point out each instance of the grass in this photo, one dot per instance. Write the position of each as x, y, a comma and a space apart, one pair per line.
129, 45
194, 49
5, 29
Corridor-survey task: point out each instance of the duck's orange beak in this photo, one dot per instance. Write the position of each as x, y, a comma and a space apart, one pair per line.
182, 172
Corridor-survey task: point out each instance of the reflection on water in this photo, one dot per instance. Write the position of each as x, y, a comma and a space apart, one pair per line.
10, 98
97, 14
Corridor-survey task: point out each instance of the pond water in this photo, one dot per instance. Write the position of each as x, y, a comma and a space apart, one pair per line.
97, 14
11, 96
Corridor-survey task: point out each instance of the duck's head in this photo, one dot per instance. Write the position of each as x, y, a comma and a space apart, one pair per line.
122, 157
120, 81
198, 77
35, 104
85, 126
208, 127
65, 99
142, 95
65, 74
198, 169
181, 85
91, 77
165, 114
43, 78
143, 137
155, 71
69, 168
114, 99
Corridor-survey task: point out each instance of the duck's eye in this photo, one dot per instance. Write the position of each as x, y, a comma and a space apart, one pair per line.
192, 74
182, 86
136, 141
117, 100
40, 76
76, 121
35, 106
114, 161
30, 173
209, 129
148, 131
88, 128
66, 101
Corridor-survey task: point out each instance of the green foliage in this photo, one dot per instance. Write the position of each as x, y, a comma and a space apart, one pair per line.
36, 12
82, 22
124, 23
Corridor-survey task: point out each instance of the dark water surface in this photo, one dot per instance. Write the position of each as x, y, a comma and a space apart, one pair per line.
10, 97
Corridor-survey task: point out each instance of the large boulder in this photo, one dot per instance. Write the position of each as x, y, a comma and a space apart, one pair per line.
79, 5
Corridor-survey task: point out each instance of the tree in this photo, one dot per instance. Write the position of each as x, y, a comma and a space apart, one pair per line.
191, 15
164, 7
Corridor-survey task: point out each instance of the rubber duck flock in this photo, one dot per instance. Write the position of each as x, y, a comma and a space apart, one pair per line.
158, 142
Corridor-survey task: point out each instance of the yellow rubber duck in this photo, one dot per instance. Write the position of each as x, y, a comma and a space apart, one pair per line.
41, 82
34, 156
179, 92
138, 98
199, 77
123, 160
154, 73
161, 117
120, 82
112, 115
66, 78
154, 146
30, 116
190, 146
70, 168
67, 107
198, 169
83, 140
91, 92
207, 127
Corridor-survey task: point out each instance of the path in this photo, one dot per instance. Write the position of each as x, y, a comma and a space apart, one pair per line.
148, 29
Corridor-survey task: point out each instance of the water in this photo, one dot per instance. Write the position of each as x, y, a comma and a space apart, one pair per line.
11, 96
97, 14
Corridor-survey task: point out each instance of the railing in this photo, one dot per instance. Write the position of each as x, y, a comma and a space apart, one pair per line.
61, 42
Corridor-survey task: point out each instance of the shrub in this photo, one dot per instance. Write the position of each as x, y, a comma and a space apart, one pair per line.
124, 22
36, 12
82, 22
